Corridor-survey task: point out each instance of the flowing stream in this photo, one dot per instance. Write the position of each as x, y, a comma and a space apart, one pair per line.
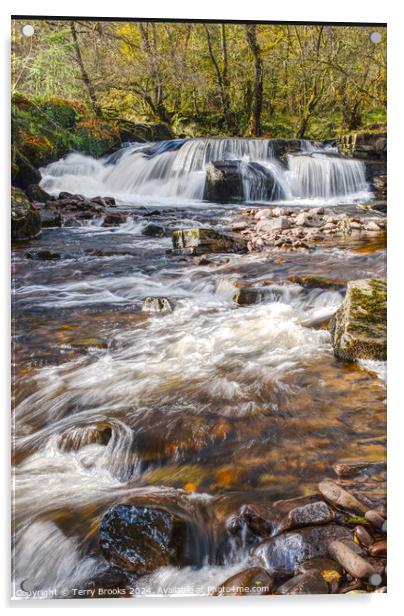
201, 410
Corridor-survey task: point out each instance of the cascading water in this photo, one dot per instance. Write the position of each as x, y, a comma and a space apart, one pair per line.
176, 170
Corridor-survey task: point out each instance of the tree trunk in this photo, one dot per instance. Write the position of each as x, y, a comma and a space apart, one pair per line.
251, 33
84, 75
221, 77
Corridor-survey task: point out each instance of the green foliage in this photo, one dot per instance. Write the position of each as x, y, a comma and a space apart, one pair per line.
316, 81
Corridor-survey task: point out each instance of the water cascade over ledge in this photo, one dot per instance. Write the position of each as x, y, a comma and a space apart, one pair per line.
265, 169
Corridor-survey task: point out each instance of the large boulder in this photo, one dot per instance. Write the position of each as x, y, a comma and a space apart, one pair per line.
141, 539
359, 327
25, 219
201, 240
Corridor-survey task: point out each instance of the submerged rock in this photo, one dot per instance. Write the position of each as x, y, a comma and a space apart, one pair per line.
153, 230
88, 343
42, 255
309, 583
248, 296
157, 304
252, 581
25, 219
201, 240
358, 328
283, 553
141, 539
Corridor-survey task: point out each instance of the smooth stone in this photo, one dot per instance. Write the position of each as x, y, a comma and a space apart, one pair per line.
310, 583
274, 224
339, 497
379, 549
157, 304
330, 570
50, 216
353, 563
252, 581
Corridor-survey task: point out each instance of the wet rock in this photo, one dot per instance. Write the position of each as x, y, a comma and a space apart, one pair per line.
310, 583
312, 282
50, 217
378, 549
113, 219
153, 230
363, 536
141, 539
25, 219
36, 193
252, 581
283, 553
364, 145
353, 563
340, 498
81, 436
105, 201
358, 329
201, 240
71, 222
248, 296
25, 173
88, 343
330, 570
375, 518
224, 181
42, 255
307, 515
157, 304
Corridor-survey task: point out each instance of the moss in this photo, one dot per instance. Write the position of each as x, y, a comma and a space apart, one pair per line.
358, 328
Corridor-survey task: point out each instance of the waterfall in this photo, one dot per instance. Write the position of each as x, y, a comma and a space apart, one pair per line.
176, 170
318, 175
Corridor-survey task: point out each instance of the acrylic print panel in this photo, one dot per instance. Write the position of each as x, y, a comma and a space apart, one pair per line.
199, 308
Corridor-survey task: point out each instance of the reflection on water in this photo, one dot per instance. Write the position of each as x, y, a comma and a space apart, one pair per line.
202, 410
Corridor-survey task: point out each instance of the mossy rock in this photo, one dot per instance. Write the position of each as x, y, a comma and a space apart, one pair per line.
25, 219
359, 327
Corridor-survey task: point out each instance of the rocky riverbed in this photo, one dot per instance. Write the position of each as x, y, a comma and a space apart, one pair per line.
199, 392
